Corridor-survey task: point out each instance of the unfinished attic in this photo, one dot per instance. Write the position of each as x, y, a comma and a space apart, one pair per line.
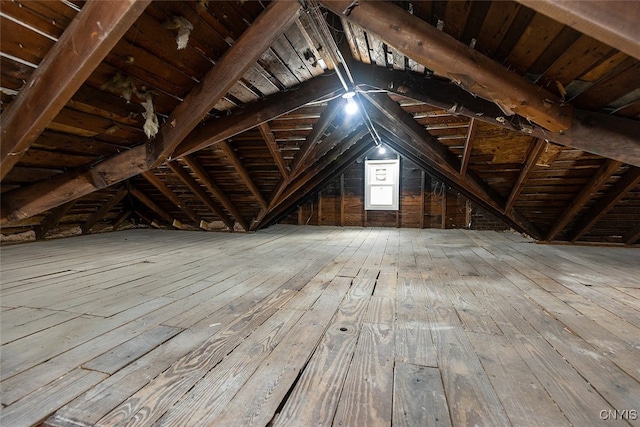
320, 212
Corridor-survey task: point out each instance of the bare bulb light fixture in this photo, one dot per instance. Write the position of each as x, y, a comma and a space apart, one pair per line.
350, 107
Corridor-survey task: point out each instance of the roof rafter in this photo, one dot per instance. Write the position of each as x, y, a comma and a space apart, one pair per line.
604, 205
535, 151
468, 142
346, 128
588, 132
228, 151
326, 117
52, 219
439, 159
313, 182
267, 27
173, 197
295, 180
217, 192
448, 57
83, 45
39, 197
120, 219
275, 196
146, 200
272, 145
632, 236
46, 194
613, 23
256, 114
602, 175
397, 142
196, 189
287, 188
104, 209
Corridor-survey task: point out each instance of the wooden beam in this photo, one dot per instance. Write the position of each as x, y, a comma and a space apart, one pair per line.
173, 197
47, 194
200, 193
422, 198
294, 185
275, 196
632, 235
433, 91
427, 150
120, 219
389, 111
319, 207
612, 22
316, 133
217, 192
597, 181
257, 113
312, 183
450, 58
295, 182
87, 40
146, 200
443, 213
322, 164
28, 201
602, 134
535, 151
274, 149
39, 197
466, 155
52, 219
606, 203
342, 200
100, 213
267, 27
150, 220
402, 143
348, 127
242, 171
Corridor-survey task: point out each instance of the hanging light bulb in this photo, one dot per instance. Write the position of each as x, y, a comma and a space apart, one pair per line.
381, 149
350, 107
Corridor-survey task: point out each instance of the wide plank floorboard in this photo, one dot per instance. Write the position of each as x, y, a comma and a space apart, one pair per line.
307, 326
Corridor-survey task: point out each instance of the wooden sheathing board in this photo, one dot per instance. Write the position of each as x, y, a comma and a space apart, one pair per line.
338, 204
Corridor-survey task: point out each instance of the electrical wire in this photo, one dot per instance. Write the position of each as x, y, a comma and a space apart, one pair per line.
321, 28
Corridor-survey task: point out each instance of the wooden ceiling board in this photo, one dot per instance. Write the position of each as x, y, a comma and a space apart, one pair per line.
51, 18
535, 39
610, 87
23, 43
575, 61
496, 23
563, 41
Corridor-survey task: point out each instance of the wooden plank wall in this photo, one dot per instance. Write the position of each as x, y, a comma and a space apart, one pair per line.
343, 204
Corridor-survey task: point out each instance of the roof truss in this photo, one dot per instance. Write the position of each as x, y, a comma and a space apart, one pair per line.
322, 155
87, 40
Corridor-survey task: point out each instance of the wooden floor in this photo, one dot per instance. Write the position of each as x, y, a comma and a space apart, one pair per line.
304, 326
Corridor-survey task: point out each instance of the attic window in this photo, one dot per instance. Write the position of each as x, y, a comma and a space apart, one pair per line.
381, 184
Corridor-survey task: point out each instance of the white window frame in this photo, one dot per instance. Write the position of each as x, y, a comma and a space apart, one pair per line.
381, 185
